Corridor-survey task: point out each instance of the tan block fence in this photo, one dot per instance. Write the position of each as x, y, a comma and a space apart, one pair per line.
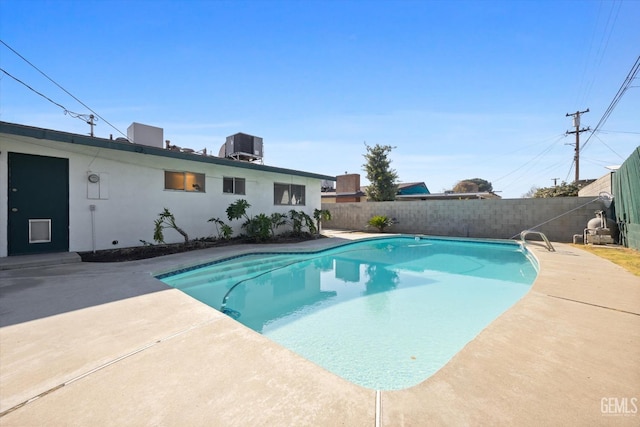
561, 217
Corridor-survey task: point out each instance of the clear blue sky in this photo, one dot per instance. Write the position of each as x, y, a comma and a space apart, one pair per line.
461, 89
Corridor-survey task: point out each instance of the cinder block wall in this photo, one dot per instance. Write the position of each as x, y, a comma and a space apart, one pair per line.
493, 218
601, 184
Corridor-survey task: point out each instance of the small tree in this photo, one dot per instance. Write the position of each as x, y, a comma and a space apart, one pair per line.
321, 215
166, 220
382, 178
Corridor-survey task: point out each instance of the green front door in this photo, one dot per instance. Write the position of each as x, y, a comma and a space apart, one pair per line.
38, 204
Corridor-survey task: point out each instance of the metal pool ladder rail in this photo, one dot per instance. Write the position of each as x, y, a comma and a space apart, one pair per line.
524, 233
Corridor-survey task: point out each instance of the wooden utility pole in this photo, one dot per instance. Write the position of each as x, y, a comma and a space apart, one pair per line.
576, 124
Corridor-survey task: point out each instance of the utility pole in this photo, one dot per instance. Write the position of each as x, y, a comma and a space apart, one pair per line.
576, 124
555, 181
91, 123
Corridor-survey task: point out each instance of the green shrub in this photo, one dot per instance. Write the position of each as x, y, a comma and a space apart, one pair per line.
258, 227
380, 222
300, 219
238, 209
225, 231
277, 220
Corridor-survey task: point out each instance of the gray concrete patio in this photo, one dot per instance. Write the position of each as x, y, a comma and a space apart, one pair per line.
107, 344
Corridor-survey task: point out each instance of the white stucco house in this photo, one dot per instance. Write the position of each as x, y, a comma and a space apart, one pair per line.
68, 192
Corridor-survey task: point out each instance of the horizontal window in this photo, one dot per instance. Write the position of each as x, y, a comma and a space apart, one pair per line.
184, 181
288, 194
233, 185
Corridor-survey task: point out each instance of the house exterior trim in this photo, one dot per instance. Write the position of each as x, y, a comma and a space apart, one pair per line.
70, 138
117, 189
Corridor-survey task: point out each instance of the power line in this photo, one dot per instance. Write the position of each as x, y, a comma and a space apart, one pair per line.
623, 88
528, 165
83, 117
606, 145
66, 91
618, 131
603, 45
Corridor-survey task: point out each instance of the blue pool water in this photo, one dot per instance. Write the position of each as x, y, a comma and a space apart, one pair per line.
384, 313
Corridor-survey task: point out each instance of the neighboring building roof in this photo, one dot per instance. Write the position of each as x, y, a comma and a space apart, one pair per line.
413, 188
335, 194
448, 196
406, 189
71, 138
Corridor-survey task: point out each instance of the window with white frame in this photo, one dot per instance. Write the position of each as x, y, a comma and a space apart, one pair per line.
288, 194
184, 181
233, 185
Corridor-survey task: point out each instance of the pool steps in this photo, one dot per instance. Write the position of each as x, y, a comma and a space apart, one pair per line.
232, 268
227, 275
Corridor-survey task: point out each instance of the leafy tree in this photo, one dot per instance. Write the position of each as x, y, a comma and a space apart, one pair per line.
562, 190
166, 220
465, 187
382, 178
484, 186
473, 185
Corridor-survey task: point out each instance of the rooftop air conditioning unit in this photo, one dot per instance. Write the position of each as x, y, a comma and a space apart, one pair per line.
145, 135
242, 147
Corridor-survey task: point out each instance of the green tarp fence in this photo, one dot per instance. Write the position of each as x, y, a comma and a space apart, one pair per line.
626, 199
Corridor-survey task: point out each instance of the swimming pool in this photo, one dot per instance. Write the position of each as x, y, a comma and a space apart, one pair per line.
383, 313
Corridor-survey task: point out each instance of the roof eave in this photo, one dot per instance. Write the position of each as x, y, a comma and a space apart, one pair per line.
71, 138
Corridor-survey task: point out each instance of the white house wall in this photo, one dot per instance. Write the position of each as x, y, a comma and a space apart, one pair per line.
135, 195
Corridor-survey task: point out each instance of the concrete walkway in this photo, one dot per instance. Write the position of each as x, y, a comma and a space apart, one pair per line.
107, 344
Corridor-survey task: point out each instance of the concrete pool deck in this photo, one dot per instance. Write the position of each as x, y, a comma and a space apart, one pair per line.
107, 344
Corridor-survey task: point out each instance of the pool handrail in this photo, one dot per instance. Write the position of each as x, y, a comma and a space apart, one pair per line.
524, 233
